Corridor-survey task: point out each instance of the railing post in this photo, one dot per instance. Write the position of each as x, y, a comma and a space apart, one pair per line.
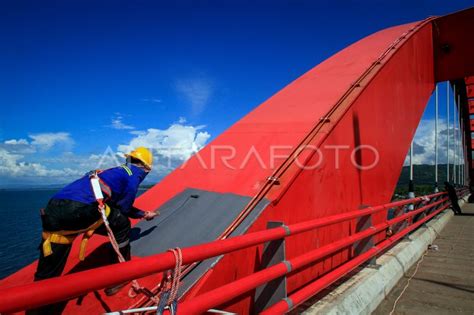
393, 213
360, 247
275, 290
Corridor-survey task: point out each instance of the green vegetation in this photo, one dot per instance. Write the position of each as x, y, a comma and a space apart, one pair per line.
424, 175
419, 190
423, 178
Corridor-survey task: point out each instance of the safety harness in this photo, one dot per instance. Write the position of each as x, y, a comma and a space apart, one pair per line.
97, 190
167, 295
67, 237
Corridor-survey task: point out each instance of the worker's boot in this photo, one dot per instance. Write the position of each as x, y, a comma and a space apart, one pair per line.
125, 251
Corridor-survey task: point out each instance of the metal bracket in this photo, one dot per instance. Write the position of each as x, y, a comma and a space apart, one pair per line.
324, 119
274, 179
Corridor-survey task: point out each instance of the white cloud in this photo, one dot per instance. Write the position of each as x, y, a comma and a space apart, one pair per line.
196, 91
424, 143
177, 142
171, 147
152, 100
39, 142
16, 142
46, 141
117, 123
11, 165
23, 162
20, 146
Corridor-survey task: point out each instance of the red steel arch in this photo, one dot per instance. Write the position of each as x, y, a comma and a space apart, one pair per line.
372, 93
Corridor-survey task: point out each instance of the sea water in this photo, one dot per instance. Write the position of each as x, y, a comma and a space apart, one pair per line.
20, 227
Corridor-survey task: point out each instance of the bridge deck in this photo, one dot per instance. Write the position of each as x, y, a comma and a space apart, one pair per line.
444, 282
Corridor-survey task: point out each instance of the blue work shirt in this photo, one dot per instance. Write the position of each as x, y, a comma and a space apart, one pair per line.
122, 183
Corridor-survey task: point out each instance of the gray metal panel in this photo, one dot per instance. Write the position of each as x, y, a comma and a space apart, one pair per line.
273, 291
192, 217
363, 223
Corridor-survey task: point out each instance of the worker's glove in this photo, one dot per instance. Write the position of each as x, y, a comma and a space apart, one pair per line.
150, 215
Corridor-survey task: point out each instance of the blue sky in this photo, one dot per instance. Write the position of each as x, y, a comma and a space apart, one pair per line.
79, 77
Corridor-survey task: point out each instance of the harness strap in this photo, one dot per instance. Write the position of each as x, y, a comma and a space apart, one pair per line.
67, 237
105, 188
88, 234
49, 238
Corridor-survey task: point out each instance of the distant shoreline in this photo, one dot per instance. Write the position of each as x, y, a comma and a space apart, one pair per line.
40, 188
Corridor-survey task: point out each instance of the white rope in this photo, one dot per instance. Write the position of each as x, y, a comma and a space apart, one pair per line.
407, 284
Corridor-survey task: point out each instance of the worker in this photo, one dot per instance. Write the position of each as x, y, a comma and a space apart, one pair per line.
74, 211
453, 196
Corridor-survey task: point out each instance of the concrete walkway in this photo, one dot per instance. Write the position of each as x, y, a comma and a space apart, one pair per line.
444, 282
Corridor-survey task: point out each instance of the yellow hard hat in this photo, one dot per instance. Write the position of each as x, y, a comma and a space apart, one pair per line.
143, 155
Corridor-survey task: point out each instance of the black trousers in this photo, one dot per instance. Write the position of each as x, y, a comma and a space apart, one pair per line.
73, 215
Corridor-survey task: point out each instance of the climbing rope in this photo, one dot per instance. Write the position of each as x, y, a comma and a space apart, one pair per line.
97, 190
178, 255
136, 288
168, 297
167, 294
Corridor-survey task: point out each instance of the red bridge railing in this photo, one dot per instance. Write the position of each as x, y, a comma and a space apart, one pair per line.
73, 285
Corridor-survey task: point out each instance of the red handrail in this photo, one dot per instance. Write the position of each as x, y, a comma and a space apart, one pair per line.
69, 286
318, 285
225, 293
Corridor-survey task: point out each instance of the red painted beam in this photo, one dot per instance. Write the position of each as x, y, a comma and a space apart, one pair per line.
453, 45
